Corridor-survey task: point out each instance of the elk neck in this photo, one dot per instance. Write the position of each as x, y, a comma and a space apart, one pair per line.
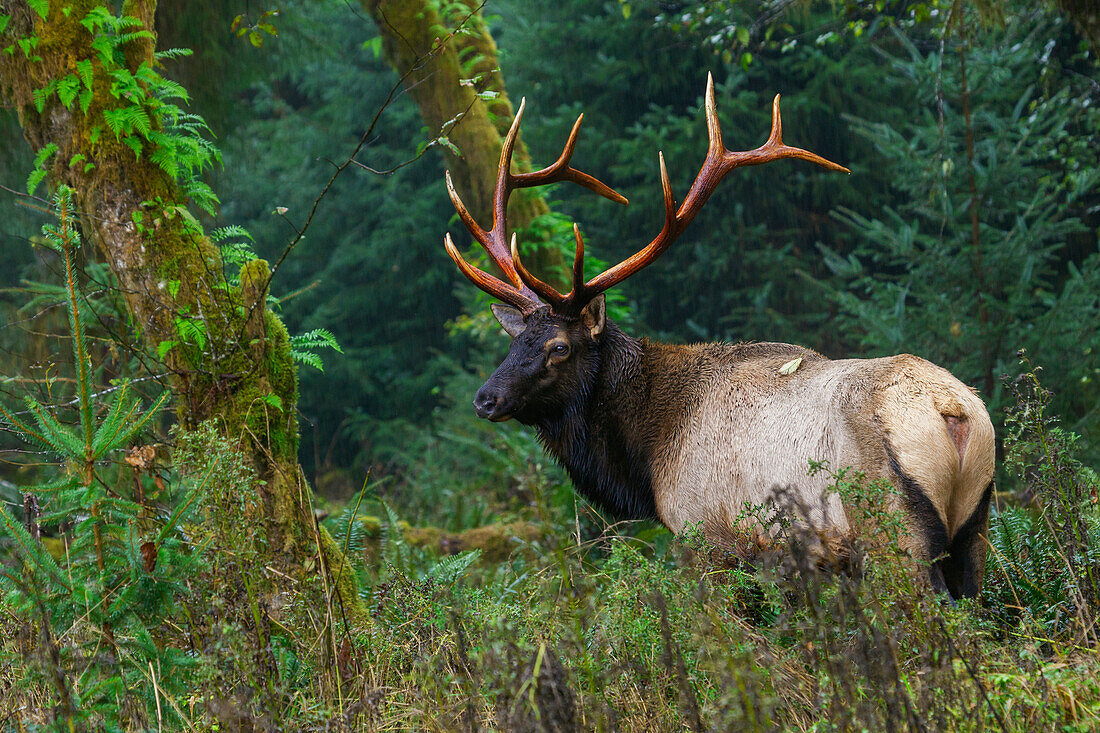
605, 435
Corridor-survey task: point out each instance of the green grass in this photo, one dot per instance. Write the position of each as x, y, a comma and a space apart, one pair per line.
138, 597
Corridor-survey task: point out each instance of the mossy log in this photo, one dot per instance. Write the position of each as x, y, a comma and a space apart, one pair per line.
497, 542
242, 375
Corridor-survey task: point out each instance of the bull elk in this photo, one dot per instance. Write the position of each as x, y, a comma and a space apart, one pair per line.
688, 434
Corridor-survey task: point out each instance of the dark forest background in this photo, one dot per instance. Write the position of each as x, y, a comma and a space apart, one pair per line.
968, 233
887, 260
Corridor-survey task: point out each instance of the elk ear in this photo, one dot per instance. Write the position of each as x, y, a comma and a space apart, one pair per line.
594, 315
510, 318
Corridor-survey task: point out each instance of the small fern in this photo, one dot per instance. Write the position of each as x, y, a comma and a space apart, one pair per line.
303, 348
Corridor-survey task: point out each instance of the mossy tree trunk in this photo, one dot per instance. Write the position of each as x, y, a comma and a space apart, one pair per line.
235, 367
448, 84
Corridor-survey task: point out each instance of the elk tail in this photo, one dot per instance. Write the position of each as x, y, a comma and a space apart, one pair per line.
967, 423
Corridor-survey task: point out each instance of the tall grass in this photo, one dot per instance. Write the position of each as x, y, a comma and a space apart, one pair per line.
135, 599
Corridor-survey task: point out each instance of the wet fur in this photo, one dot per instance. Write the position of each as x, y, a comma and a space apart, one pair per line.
689, 434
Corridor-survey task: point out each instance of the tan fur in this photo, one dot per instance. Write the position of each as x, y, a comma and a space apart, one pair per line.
744, 430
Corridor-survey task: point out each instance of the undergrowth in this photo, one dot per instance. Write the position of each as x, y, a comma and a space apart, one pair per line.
135, 598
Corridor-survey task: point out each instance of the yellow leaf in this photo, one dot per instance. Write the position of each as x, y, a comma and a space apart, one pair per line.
790, 367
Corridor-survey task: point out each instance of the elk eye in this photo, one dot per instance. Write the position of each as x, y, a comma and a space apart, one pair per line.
561, 349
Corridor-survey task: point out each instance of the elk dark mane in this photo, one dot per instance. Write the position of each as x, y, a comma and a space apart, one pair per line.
606, 467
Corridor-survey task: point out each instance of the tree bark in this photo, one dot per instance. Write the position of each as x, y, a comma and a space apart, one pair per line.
240, 373
440, 84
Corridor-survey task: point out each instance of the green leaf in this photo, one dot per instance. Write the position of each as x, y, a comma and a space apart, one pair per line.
446, 142
39, 171
164, 347
134, 143
790, 367
256, 38
41, 96
42, 7
274, 401
374, 45
4, 19
743, 34
309, 359
34, 179
44, 154
67, 89
84, 71
191, 332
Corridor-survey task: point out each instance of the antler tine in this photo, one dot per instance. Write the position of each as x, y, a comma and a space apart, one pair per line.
509, 145
774, 149
671, 229
463, 213
560, 170
498, 289
559, 302
776, 136
525, 289
544, 290
718, 163
578, 261
514, 292
715, 146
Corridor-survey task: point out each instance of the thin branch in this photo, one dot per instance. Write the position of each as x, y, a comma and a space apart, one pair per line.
438, 47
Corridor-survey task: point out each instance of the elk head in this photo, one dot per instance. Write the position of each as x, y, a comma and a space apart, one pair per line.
556, 338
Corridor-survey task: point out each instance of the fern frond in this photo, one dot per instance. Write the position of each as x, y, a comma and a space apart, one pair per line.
450, 568
221, 234
395, 541
302, 347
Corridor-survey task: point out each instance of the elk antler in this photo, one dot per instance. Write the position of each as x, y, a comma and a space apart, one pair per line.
526, 288
515, 292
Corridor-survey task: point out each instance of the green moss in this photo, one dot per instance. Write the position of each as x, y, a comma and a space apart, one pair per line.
497, 542
250, 392
344, 577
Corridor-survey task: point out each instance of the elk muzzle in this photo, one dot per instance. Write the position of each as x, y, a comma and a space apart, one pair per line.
491, 403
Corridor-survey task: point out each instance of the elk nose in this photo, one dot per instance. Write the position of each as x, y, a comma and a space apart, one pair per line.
487, 403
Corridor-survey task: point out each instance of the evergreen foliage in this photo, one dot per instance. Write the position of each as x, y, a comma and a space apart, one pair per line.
138, 591
987, 249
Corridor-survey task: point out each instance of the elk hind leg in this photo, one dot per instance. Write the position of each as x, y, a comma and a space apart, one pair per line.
965, 562
929, 533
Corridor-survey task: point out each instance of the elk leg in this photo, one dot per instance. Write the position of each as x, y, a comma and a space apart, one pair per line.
925, 523
965, 562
